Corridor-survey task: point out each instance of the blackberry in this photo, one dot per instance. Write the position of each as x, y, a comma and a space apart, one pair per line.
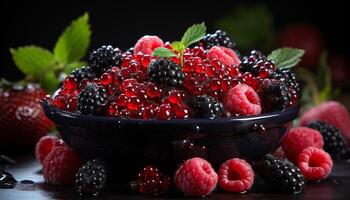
289, 78
219, 38
334, 143
254, 62
92, 99
165, 73
105, 58
84, 72
207, 107
280, 175
130, 50
91, 177
275, 95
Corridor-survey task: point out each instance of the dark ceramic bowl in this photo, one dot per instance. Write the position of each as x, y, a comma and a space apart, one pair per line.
130, 144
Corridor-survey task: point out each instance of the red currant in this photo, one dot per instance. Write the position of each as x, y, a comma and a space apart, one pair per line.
70, 83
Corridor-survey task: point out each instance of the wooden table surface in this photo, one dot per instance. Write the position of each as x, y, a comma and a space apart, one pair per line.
337, 186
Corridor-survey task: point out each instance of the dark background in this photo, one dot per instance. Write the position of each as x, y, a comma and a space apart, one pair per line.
121, 23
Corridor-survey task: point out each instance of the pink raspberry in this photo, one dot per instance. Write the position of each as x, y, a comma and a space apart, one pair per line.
236, 175
61, 166
242, 99
45, 145
331, 112
315, 164
225, 55
196, 177
299, 139
147, 44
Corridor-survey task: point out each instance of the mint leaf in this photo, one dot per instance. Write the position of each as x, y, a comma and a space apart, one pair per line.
72, 45
193, 34
163, 52
178, 46
286, 57
32, 60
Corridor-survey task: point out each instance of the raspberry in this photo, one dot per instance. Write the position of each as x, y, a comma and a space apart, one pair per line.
147, 44
225, 55
152, 182
331, 112
196, 177
45, 145
236, 175
315, 164
91, 177
61, 165
299, 139
242, 99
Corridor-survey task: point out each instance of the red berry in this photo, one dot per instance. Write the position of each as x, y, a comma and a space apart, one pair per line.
45, 145
182, 112
315, 164
122, 99
133, 103
106, 79
61, 165
196, 177
145, 60
164, 112
72, 104
176, 96
147, 44
299, 139
112, 109
126, 83
236, 175
225, 55
153, 91
70, 83
243, 99
152, 182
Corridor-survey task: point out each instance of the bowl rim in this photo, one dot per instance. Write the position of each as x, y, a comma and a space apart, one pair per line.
53, 112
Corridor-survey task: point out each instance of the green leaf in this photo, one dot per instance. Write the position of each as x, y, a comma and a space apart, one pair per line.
32, 60
71, 66
178, 46
163, 52
72, 45
286, 57
193, 34
250, 26
49, 82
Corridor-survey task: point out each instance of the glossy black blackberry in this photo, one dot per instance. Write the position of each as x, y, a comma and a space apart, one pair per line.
165, 73
205, 106
92, 100
289, 78
219, 38
84, 72
91, 177
275, 95
130, 50
104, 58
334, 142
254, 62
280, 175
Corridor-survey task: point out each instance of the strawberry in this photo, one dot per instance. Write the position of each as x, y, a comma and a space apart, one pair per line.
22, 120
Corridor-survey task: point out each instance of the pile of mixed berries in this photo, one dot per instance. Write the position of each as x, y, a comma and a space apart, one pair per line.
210, 80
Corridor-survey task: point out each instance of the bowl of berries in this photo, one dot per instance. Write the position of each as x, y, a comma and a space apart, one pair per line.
162, 103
